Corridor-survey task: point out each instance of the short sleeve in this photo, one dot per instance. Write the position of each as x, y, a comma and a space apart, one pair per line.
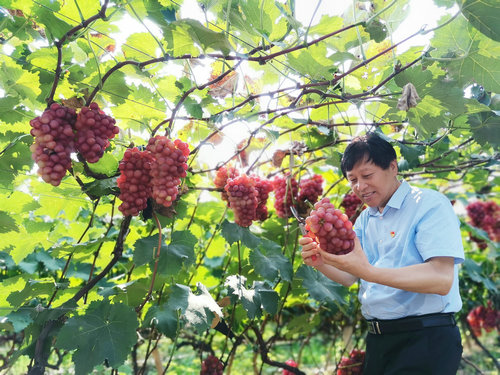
438, 231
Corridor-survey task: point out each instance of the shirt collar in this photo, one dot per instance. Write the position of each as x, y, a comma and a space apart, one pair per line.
396, 199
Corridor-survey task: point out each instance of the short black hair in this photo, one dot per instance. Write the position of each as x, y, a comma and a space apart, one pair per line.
370, 147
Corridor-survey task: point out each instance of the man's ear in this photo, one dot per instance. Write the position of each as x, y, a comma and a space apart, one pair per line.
394, 166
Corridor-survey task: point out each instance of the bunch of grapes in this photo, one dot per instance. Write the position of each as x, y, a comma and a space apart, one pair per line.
352, 206
285, 193
243, 200
486, 216
481, 317
94, 129
221, 176
310, 189
292, 363
263, 187
211, 366
353, 364
134, 181
330, 228
54, 142
168, 167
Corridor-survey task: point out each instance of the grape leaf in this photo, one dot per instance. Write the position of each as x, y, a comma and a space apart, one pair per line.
166, 316
269, 262
233, 232
104, 332
319, 286
201, 309
180, 251
484, 16
7, 223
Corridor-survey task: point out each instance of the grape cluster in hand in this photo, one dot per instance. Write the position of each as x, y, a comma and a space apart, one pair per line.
481, 317
352, 206
285, 194
211, 366
94, 129
485, 216
330, 228
134, 181
353, 364
168, 167
242, 197
54, 142
310, 189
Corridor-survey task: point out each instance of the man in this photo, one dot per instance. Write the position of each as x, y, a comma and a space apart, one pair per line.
406, 256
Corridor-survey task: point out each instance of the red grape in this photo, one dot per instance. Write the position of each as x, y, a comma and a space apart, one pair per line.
330, 228
134, 181
94, 129
54, 142
292, 363
242, 197
212, 366
221, 176
353, 364
485, 216
285, 193
310, 189
168, 167
481, 317
263, 187
352, 206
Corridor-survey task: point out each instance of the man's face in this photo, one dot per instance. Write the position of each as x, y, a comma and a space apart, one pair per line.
372, 184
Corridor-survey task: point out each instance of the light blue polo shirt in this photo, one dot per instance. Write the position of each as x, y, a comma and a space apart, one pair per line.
416, 224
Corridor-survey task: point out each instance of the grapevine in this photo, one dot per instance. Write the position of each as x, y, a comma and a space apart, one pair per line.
483, 317
263, 187
221, 176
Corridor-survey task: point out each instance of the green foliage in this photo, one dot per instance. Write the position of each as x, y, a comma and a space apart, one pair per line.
245, 83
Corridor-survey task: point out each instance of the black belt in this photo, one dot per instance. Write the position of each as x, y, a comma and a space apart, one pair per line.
411, 323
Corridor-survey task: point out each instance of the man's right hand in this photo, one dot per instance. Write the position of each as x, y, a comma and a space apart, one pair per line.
310, 252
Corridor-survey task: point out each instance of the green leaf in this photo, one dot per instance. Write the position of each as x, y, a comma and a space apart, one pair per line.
233, 232
319, 286
484, 16
104, 332
201, 309
249, 298
474, 271
188, 29
179, 252
166, 316
55, 28
486, 128
269, 262
145, 249
100, 188
377, 30
7, 223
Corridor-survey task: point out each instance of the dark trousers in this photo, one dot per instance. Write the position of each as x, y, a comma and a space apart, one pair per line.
427, 351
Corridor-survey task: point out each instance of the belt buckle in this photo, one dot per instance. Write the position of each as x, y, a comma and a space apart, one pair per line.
374, 328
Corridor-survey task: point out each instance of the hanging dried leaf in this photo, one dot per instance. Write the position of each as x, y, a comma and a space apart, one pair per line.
408, 98
278, 157
226, 86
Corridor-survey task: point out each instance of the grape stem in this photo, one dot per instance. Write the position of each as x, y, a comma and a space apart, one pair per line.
155, 270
